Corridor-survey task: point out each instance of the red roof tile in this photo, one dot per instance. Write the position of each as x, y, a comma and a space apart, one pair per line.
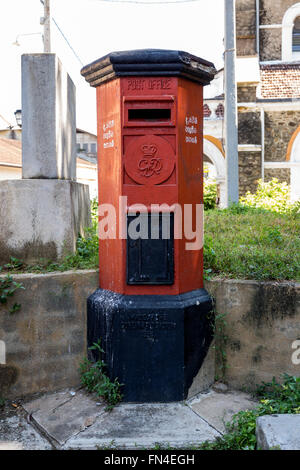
280, 81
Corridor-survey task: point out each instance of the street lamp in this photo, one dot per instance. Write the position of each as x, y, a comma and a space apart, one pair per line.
18, 116
17, 43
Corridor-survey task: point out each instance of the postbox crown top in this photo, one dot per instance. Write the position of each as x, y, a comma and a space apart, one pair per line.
148, 62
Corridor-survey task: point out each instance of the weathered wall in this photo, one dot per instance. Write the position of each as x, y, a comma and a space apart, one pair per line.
270, 44
272, 11
249, 128
249, 171
246, 27
262, 320
246, 94
46, 339
279, 128
282, 174
249, 132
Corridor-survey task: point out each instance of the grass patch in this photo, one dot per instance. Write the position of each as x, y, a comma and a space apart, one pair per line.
275, 398
252, 243
95, 380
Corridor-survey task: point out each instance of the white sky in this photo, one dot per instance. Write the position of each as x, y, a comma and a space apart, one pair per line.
95, 28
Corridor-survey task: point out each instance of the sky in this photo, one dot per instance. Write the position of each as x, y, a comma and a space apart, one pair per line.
95, 28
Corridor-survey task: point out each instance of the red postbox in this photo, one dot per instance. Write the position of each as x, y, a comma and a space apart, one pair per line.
151, 311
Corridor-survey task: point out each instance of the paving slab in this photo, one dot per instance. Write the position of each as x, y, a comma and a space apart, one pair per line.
144, 426
17, 434
61, 416
217, 408
278, 432
48, 401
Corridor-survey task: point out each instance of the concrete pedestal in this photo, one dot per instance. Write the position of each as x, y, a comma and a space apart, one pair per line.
48, 119
155, 345
41, 218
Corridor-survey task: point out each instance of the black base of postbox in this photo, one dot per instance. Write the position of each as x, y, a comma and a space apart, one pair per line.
154, 344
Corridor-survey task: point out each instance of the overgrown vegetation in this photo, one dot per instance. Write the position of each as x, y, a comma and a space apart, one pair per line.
7, 289
274, 398
273, 196
95, 380
251, 243
209, 194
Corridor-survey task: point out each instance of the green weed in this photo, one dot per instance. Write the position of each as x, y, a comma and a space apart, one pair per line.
95, 380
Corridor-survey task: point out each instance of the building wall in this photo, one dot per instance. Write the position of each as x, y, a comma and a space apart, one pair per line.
279, 125
272, 13
249, 171
10, 173
246, 27
282, 174
15, 134
279, 128
86, 174
270, 44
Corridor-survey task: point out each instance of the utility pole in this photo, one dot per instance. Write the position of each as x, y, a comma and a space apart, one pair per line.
231, 126
46, 22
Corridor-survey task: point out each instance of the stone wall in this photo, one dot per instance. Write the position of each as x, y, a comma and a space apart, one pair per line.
46, 340
249, 128
279, 128
246, 94
246, 27
282, 174
272, 11
270, 44
249, 171
261, 322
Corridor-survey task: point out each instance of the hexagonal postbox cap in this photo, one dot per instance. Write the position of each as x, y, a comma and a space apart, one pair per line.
149, 62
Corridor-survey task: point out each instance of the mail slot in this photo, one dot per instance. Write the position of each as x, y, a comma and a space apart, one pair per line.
149, 111
151, 312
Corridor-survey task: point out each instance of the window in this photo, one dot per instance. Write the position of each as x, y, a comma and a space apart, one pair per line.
220, 111
290, 44
206, 111
296, 35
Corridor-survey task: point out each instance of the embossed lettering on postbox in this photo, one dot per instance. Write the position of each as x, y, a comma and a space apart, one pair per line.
149, 160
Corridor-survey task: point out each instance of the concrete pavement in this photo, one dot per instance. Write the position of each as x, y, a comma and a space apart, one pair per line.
73, 419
